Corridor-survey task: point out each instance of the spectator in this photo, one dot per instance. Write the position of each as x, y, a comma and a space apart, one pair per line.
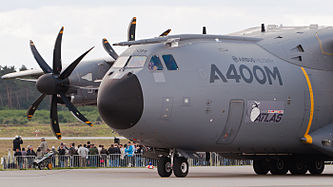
88, 144
129, 151
93, 152
24, 153
73, 157
17, 143
61, 152
99, 149
39, 153
138, 153
207, 158
118, 153
112, 155
31, 156
43, 145
103, 156
122, 155
83, 153
19, 159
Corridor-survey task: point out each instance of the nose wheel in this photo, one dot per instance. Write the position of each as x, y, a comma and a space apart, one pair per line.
180, 167
164, 168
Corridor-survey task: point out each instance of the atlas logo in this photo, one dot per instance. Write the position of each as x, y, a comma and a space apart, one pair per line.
265, 111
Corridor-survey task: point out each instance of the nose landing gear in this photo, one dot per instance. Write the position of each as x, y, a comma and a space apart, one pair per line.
175, 163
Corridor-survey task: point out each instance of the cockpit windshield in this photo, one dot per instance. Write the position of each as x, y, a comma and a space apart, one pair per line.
136, 62
121, 62
130, 62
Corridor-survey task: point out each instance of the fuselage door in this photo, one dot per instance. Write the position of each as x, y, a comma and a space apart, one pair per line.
234, 120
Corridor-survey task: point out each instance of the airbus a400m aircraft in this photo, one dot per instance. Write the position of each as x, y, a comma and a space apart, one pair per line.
260, 94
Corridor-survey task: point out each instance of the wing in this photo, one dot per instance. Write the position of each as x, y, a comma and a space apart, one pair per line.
34, 73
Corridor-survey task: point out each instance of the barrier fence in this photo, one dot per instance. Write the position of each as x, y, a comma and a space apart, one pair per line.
114, 161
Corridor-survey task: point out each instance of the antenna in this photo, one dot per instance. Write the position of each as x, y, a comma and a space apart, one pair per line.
204, 30
263, 28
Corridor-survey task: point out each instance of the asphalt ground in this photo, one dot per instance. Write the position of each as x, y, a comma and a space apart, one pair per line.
231, 176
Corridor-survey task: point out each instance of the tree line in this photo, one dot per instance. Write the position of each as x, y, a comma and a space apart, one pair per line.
16, 94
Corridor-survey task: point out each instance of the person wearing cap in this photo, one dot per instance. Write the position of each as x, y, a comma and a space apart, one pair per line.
17, 143
43, 145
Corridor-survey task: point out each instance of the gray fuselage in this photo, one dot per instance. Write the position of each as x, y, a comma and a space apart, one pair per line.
207, 104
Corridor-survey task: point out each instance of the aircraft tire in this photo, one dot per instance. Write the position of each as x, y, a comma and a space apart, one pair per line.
278, 167
316, 167
298, 167
260, 167
164, 167
180, 167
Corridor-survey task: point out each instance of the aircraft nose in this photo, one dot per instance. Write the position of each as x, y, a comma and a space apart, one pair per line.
120, 101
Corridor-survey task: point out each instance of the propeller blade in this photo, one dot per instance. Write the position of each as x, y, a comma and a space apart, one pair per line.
34, 106
165, 33
67, 72
75, 112
204, 30
54, 117
57, 53
41, 62
109, 49
131, 30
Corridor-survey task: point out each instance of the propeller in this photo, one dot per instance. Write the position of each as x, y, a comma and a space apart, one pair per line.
55, 82
165, 33
131, 37
131, 30
109, 49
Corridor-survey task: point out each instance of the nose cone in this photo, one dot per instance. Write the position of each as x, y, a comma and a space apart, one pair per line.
46, 84
120, 101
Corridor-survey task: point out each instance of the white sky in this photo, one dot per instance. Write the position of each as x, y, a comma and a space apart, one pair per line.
88, 21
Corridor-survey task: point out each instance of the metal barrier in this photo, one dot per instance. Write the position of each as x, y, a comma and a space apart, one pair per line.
135, 160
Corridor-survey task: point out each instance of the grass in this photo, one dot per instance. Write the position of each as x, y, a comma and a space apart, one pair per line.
67, 129
14, 122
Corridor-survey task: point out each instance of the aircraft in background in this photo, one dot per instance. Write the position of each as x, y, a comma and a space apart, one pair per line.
261, 94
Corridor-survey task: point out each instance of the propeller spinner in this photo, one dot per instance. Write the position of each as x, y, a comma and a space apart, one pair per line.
55, 82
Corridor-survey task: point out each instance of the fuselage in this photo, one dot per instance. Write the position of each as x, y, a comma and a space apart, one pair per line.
229, 95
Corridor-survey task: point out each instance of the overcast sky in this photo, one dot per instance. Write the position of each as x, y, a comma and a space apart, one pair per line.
86, 22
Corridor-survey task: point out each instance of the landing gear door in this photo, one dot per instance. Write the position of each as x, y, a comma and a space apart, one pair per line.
234, 120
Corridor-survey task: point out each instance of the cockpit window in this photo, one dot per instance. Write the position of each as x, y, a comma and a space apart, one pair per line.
136, 62
155, 63
170, 62
121, 62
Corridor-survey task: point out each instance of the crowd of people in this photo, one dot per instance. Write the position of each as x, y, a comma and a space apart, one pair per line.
90, 155
82, 155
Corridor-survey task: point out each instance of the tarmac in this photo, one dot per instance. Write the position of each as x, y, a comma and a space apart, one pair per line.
231, 176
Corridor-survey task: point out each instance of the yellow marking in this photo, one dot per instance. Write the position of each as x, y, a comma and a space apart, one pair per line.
58, 134
106, 41
29, 115
133, 22
321, 46
61, 32
87, 122
306, 135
